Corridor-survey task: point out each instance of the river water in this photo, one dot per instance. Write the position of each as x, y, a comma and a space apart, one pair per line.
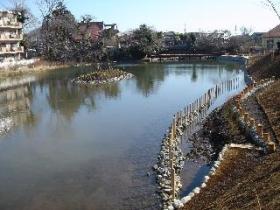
67, 147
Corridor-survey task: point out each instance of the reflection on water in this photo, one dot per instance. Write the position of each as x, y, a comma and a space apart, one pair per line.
15, 108
78, 147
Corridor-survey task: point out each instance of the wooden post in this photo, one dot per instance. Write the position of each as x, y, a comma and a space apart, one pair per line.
171, 133
173, 182
271, 147
171, 156
260, 130
246, 117
181, 118
252, 122
266, 137
174, 128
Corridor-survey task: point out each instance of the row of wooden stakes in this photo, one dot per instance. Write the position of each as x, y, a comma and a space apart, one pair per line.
185, 118
252, 123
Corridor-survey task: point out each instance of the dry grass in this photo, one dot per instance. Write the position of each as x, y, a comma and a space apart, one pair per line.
245, 180
265, 67
270, 102
38, 66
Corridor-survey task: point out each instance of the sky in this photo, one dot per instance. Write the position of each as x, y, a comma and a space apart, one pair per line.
174, 15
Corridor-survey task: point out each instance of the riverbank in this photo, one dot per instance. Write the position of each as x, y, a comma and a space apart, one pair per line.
245, 178
31, 66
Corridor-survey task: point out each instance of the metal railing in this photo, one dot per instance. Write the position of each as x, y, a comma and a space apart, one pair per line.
11, 50
8, 24
11, 37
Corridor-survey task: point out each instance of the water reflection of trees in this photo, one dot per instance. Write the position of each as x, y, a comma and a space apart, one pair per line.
148, 77
15, 104
66, 98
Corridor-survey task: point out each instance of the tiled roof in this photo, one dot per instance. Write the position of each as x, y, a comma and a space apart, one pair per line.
273, 33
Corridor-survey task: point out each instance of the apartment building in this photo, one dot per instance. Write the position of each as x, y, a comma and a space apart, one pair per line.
11, 35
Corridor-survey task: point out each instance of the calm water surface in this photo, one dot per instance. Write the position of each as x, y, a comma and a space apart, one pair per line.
87, 148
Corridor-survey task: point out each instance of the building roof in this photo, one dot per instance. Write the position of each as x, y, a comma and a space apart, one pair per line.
273, 33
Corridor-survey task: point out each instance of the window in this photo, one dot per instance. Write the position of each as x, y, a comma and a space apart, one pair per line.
270, 44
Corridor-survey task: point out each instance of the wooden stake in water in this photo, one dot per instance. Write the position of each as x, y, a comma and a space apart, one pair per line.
173, 182
174, 128
181, 119
260, 130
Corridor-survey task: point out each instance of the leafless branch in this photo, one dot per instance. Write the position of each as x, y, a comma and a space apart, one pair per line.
273, 6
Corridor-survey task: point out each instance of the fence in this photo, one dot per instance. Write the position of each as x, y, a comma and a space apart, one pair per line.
251, 126
171, 158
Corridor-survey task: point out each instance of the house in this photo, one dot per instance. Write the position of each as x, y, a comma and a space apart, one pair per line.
91, 30
94, 30
11, 35
271, 39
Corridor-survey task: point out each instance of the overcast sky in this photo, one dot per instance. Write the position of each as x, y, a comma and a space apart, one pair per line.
176, 15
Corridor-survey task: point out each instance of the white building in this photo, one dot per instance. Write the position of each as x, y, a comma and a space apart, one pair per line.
11, 35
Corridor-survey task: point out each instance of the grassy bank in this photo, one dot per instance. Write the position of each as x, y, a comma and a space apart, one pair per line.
246, 179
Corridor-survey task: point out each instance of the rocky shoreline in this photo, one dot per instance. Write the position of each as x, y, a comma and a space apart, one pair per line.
107, 76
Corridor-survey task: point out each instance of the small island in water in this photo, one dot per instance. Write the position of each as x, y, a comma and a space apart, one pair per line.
102, 77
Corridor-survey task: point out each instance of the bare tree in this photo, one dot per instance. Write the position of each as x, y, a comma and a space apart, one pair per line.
24, 14
274, 7
46, 7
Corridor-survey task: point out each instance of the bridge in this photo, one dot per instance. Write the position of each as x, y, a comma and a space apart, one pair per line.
185, 56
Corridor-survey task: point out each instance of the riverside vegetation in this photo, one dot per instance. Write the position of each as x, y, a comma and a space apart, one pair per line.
102, 77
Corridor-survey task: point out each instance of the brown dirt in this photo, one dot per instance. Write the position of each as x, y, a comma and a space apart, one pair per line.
265, 67
242, 182
270, 102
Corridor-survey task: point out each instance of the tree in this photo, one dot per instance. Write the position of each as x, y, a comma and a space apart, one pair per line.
245, 31
210, 42
274, 8
145, 41
24, 14
46, 7
58, 29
